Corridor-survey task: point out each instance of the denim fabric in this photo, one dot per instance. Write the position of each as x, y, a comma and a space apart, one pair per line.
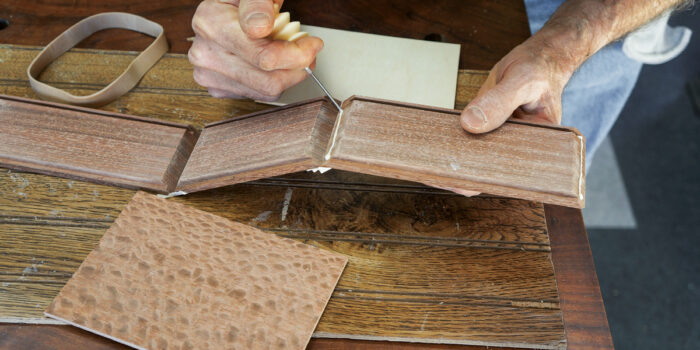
596, 93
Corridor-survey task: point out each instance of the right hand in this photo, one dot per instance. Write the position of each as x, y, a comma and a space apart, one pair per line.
232, 58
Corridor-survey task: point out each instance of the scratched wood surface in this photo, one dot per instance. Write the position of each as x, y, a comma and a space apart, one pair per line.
424, 264
486, 29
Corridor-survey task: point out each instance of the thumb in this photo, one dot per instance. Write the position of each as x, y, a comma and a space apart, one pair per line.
256, 17
492, 107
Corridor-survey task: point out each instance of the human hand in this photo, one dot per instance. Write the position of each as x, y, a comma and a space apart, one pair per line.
526, 84
233, 58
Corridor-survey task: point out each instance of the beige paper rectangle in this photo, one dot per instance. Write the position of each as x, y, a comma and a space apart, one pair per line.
399, 69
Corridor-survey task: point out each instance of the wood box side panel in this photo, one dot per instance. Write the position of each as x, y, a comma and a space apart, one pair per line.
92, 145
428, 145
259, 145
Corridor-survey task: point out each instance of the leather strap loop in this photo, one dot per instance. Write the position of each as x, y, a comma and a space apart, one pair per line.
81, 30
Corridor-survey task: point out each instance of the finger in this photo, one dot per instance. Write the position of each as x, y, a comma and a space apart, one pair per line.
256, 17
209, 56
217, 83
546, 110
218, 22
279, 54
493, 106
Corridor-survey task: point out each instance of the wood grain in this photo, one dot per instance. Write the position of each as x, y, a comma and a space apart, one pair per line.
93, 145
43, 337
161, 94
264, 144
425, 144
583, 311
487, 30
167, 275
395, 231
581, 301
408, 251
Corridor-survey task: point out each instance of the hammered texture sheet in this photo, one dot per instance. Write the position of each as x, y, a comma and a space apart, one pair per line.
167, 276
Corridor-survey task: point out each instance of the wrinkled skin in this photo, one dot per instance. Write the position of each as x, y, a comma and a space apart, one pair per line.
232, 57
525, 84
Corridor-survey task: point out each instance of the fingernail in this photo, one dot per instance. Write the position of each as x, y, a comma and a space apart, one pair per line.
476, 118
257, 19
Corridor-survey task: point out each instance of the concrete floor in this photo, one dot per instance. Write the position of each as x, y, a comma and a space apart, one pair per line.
650, 271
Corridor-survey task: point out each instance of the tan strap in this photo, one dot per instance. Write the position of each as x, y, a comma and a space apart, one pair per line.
81, 30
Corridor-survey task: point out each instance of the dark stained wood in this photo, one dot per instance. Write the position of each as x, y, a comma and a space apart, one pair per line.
486, 29
437, 263
94, 145
582, 307
581, 302
44, 337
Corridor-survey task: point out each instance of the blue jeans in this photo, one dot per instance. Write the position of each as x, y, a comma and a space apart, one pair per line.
596, 93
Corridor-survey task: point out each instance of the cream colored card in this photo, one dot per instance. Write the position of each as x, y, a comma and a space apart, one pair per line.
406, 70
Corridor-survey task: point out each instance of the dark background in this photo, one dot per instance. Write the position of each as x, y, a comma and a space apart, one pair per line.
650, 276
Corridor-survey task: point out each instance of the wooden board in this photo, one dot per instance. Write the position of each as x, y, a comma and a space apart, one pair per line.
486, 29
392, 139
392, 230
420, 143
268, 143
166, 275
81, 143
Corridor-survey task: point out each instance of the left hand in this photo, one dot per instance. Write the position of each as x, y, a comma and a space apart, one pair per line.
525, 84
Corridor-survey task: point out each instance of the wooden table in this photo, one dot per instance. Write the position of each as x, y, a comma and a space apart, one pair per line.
486, 30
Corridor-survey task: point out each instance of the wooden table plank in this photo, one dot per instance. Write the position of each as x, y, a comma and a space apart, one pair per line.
584, 314
486, 29
581, 302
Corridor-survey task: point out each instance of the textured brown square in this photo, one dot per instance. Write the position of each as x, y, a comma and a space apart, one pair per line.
168, 276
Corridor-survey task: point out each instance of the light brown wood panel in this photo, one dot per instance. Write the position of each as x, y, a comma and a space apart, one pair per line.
426, 144
398, 265
380, 209
89, 144
268, 143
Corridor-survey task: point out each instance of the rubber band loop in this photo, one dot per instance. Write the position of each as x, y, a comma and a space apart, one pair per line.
81, 30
